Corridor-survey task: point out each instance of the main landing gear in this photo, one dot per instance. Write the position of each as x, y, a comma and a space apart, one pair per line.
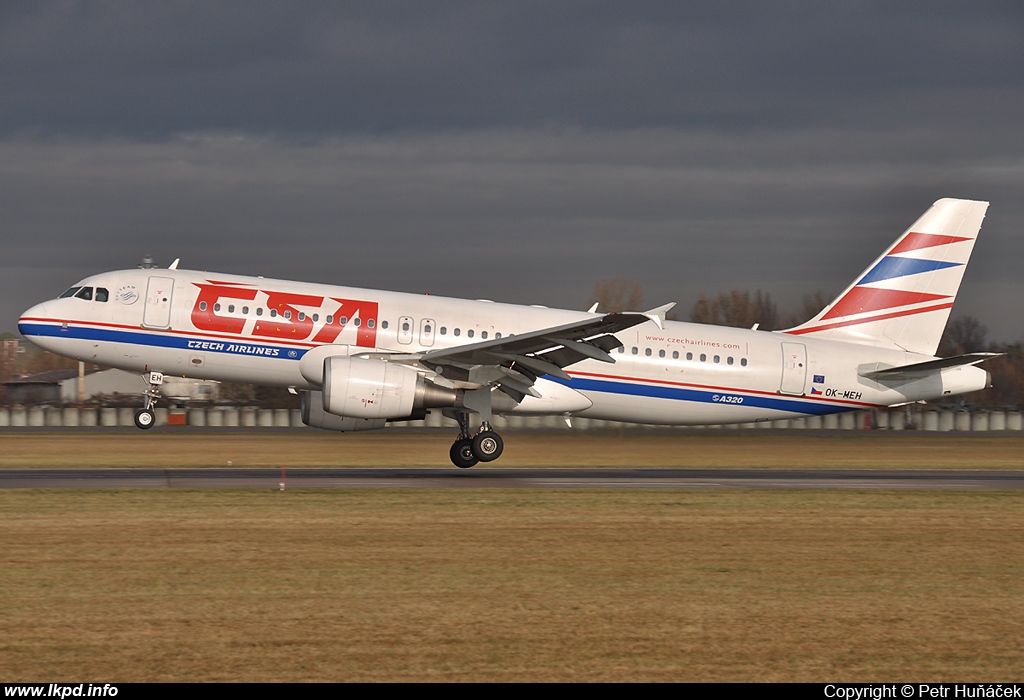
145, 417
467, 451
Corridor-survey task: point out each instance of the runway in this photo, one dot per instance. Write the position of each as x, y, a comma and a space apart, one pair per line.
513, 478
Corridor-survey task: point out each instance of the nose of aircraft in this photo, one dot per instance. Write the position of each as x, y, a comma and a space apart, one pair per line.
36, 312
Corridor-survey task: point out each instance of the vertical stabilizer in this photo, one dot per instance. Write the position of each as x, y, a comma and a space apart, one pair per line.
903, 300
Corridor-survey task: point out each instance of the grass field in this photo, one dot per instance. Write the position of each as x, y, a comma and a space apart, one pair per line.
791, 449
467, 585
510, 585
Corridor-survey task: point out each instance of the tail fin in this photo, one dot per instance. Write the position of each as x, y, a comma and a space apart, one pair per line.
903, 300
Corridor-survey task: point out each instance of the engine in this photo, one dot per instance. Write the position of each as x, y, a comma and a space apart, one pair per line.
314, 415
361, 394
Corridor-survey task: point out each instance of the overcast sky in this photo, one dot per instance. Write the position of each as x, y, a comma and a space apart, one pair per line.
518, 151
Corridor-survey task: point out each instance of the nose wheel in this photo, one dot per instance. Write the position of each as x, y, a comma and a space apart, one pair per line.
145, 417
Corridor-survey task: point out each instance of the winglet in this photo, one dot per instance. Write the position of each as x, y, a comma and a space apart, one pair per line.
174, 265
657, 316
593, 309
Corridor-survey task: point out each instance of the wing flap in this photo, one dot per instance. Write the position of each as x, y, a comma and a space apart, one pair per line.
513, 363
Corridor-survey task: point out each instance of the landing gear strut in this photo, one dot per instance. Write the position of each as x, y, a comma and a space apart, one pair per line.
467, 450
145, 417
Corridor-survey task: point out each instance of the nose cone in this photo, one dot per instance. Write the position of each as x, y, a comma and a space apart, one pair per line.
30, 320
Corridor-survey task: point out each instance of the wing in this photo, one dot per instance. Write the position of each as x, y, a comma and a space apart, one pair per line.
512, 364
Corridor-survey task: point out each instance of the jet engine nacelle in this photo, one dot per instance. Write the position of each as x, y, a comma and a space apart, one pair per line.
314, 415
374, 389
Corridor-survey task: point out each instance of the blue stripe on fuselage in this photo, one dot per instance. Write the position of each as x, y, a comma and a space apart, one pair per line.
725, 397
161, 341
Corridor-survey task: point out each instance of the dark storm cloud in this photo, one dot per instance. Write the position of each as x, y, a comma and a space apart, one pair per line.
520, 151
148, 69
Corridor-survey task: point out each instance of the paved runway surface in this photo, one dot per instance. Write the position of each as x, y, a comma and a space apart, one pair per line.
491, 477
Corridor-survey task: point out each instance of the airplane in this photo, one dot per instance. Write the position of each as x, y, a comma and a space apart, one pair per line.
360, 358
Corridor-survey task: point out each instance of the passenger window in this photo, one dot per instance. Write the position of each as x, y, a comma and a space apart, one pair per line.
405, 327
444, 330
357, 321
635, 350
330, 319
743, 362
717, 358
273, 313
729, 361
497, 335
647, 352
288, 315
343, 320
316, 318
102, 294
384, 325
302, 316
202, 306
216, 307
231, 308
661, 353
245, 310
675, 354
259, 310
426, 328
457, 331
84, 293
483, 335
703, 357
470, 333
370, 323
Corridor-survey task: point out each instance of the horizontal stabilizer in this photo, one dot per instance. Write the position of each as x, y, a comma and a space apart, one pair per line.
972, 358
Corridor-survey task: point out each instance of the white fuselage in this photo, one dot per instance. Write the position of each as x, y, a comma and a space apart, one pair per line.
251, 329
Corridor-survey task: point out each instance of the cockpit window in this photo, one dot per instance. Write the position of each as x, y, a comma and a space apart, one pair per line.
102, 294
84, 293
70, 293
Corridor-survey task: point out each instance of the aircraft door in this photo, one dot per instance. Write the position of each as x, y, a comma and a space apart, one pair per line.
427, 332
406, 330
158, 303
794, 368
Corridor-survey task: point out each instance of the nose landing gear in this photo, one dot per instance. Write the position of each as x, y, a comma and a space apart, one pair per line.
145, 417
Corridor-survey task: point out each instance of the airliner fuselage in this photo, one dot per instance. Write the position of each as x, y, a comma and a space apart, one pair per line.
363, 356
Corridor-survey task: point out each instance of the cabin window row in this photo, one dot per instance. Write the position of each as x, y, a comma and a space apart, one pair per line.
287, 315
470, 333
703, 357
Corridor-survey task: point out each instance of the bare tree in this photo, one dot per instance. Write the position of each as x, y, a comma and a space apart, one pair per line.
812, 304
737, 308
618, 294
963, 334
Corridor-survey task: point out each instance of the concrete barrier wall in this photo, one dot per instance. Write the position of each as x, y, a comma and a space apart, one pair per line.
928, 419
